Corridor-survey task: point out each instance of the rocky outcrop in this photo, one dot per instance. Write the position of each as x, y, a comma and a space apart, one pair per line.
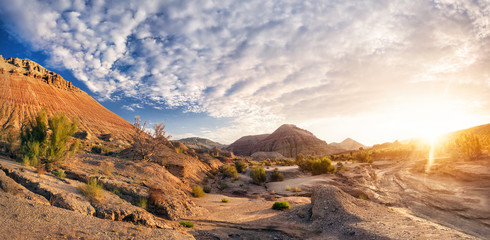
26, 88
348, 144
259, 156
8, 185
244, 146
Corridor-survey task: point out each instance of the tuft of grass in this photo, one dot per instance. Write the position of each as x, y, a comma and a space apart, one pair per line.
197, 192
288, 188
92, 190
363, 197
142, 203
225, 200
187, 224
59, 173
296, 189
107, 169
281, 205
207, 189
223, 186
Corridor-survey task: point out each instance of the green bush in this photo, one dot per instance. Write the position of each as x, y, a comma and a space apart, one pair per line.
197, 192
229, 171
281, 205
225, 200
92, 190
142, 203
258, 175
62, 129
363, 156
241, 166
223, 186
187, 224
59, 173
207, 189
315, 165
277, 176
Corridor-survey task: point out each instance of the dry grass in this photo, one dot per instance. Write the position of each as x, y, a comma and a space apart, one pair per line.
92, 190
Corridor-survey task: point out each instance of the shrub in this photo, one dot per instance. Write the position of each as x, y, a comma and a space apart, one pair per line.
362, 196
62, 129
363, 156
142, 203
229, 171
92, 190
207, 189
241, 166
469, 146
280, 205
187, 224
296, 189
288, 188
258, 175
277, 176
33, 139
197, 192
315, 165
59, 173
223, 186
225, 200
96, 149
146, 142
107, 169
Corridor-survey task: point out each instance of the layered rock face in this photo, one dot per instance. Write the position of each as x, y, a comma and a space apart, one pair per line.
288, 140
245, 145
26, 87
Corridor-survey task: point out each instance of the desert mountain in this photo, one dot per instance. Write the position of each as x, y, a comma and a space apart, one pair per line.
287, 140
244, 145
201, 143
348, 144
26, 87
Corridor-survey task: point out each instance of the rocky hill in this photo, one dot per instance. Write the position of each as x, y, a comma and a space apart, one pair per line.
26, 87
348, 144
245, 145
288, 140
201, 143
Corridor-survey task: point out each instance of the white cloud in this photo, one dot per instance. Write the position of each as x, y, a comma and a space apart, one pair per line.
265, 62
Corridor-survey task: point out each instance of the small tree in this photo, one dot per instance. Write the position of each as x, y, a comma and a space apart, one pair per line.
145, 141
62, 129
33, 139
258, 175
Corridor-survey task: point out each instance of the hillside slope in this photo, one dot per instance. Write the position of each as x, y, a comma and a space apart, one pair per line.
201, 143
348, 144
26, 87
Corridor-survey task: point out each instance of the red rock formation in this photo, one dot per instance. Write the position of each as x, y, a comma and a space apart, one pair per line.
26, 88
245, 145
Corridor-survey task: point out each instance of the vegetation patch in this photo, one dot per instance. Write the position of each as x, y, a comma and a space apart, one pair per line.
59, 173
197, 192
258, 175
315, 165
277, 176
281, 205
92, 190
142, 202
187, 224
241, 166
225, 200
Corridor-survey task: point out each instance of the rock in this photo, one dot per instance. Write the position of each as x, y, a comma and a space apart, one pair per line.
244, 145
7, 184
106, 137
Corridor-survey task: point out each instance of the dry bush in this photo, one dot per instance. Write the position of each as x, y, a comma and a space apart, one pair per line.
147, 142
92, 190
197, 192
156, 196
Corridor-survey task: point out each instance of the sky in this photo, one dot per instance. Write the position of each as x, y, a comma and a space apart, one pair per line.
372, 70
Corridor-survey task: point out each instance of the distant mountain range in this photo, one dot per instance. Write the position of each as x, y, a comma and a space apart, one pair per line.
201, 143
287, 140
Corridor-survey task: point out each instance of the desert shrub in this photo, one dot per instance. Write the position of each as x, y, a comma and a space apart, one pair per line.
222, 186
229, 171
258, 175
92, 190
276, 176
363, 156
36, 144
96, 149
156, 196
225, 200
241, 166
288, 188
107, 169
362, 196
147, 142
187, 224
11, 137
142, 202
59, 173
468, 146
296, 189
197, 192
207, 189
281, 205
321, 166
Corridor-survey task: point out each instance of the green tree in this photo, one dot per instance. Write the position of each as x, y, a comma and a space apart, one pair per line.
62, 129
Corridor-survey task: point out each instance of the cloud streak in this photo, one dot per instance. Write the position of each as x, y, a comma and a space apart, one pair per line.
265, 62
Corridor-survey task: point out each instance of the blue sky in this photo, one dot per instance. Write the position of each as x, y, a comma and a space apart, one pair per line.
373, 70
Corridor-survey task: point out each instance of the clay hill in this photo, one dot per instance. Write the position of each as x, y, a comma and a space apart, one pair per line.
348, 144
201, 143
287, 140
26, 87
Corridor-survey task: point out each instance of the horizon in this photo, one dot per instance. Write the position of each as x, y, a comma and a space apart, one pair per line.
374, 71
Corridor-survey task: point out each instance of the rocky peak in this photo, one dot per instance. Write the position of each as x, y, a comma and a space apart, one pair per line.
17, 66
